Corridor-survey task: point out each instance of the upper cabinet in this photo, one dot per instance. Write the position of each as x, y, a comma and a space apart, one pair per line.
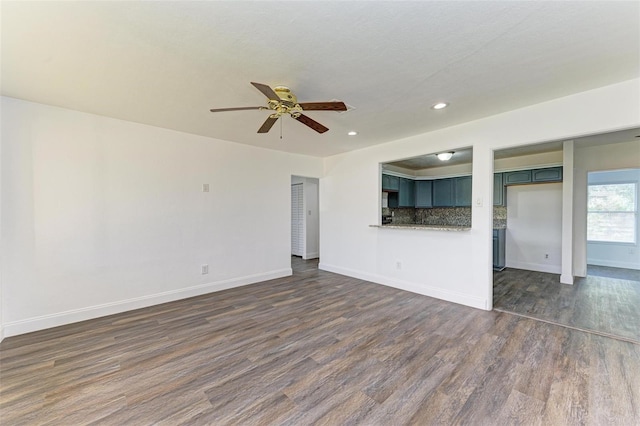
552, 174
443, 193
520, 176
452, 192
424, 189
390, 183
406, 193
499, 196
462, 191
549, 174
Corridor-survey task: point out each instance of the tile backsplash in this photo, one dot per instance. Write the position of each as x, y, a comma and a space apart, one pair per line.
445, 216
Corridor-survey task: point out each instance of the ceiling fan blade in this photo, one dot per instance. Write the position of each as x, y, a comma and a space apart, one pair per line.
266, 90
323, 106
235, 109
267, 125
311, 123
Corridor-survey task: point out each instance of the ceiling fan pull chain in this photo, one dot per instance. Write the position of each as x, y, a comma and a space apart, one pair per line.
280, 127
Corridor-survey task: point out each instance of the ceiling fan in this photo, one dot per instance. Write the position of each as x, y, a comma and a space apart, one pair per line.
282, 101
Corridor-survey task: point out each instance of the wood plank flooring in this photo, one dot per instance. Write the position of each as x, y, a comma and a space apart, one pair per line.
317, 348
606, 301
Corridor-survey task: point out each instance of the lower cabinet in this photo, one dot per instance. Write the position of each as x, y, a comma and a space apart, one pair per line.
499, 249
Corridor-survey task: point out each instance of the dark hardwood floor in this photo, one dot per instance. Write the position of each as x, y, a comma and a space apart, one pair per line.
607, 301
317, 348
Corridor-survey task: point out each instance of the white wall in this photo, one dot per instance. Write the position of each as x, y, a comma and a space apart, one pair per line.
102, 215
612, 254
1, 233
534, 231
453, 266
624, 155
532, 161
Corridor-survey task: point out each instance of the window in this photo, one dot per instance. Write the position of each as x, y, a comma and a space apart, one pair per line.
611, 214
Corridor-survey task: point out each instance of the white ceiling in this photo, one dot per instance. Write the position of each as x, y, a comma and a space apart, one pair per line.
428, 161
167, 63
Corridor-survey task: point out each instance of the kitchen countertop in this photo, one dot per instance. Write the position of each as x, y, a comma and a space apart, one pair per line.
424, 227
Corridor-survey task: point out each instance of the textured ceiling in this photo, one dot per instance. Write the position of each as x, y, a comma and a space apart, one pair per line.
167, 63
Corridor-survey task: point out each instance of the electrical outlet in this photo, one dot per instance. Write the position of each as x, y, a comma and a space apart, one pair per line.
398, 264
204, 269
205, 187
546, 256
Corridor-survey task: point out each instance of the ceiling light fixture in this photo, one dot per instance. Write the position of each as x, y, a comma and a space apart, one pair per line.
445, 156
440, 105
352, 133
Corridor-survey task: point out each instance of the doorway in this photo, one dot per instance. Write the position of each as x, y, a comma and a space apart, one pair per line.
305, 217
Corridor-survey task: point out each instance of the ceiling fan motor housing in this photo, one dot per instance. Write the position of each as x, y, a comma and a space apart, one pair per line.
288, 103
284, 93
282, 101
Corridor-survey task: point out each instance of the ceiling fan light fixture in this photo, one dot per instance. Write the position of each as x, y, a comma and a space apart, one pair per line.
440, 105
282, 101
445, 156
352, 133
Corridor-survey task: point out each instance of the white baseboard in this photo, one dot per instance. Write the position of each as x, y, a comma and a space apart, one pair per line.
538, 267
1, 333
566, 279
28, 325
419, 288
313, 255
613, 263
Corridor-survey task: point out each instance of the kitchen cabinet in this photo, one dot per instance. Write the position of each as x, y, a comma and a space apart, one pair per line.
390, 183
550, 174
452, 192
443, 193
520, 176
424, 190
406, 193
462, 191
499, 249
499, 190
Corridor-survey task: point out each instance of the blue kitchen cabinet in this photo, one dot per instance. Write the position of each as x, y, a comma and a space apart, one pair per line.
550, 174
499, 190
499, 249
443, 193
462, 191
390, 183
521, 176
424, 190
406, 193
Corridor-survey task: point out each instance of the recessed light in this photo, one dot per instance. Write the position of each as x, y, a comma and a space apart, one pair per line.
352, 133
440, 105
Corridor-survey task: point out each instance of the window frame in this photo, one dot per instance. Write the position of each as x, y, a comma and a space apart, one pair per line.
636, 186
